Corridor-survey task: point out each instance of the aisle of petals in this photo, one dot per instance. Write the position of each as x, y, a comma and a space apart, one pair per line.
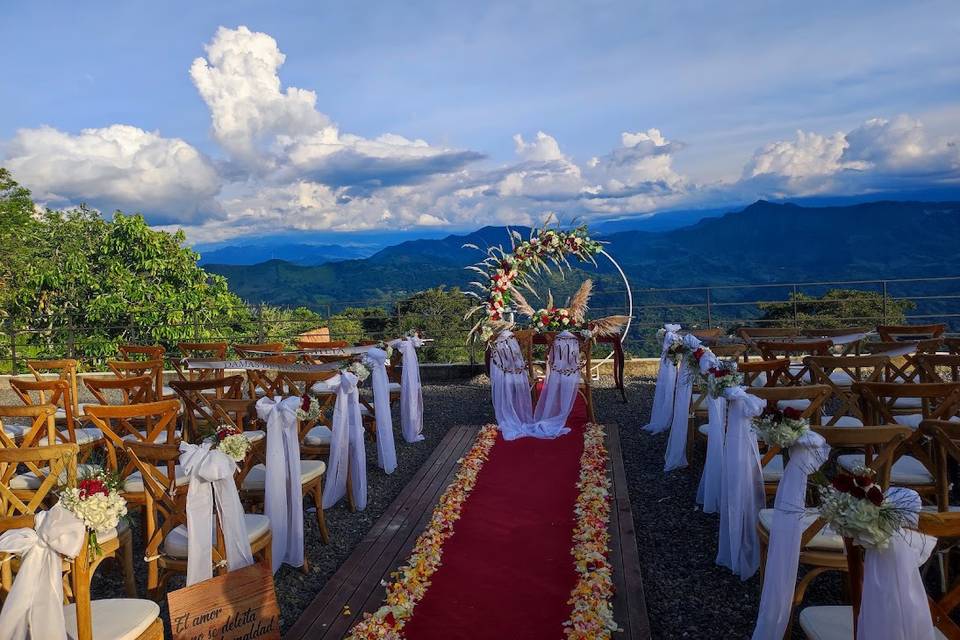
412, 580
592, 615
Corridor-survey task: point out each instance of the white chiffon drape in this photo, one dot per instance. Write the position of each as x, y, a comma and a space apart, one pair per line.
34, 606
386, 449
676, 454
741, 496
708, 492
282, 498
807, 454
211, 475
662, 413
411, 395
347, 453
510, 386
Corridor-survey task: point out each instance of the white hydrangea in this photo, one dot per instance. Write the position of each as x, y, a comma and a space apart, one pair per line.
235, 446
98, 511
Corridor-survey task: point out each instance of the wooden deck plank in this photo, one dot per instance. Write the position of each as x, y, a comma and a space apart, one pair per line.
417, 496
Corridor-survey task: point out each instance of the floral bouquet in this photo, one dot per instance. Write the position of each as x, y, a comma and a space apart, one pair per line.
677, 350
856, 508
385, 347
358, 369
96, 500
309, 408
232, 442
722, 377
780, 428
553, 319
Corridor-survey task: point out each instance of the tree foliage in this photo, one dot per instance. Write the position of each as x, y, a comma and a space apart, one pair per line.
834, 309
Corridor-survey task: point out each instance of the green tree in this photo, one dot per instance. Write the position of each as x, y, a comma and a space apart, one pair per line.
439, 314
836, 308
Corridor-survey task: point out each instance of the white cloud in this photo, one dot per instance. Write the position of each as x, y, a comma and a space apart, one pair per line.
116, 167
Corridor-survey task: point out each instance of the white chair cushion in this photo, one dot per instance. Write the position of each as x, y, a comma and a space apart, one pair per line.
134, 482
394, 387
704, 429
15, 430
254, 436
161, 437
773, 470
844, 421
257, 478
760, 380
319, 435
115, 619
795, 369
906, 470
84, 436
833, 623
913, 420
61, 413
109, 534
907, 403
825, 540
326, 386
799, 405
167, 391
175, 544
30, 481
841, 378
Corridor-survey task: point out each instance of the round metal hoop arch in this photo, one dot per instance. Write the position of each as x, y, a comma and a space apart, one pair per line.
626, 283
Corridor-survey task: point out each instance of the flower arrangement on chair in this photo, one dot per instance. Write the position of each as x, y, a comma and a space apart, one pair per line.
232, 442
857, 508
97, 501
722, 377
781, 428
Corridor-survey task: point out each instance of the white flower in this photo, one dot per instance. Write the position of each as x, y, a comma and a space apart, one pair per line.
235, 446
359, 370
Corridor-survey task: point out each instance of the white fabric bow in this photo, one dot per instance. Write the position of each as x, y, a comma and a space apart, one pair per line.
34, 606
741, 496
510, 386
807, 455
211, 472
661, 415
894, 604
676, 454
411, 395
347, 454
282, 492
386, 449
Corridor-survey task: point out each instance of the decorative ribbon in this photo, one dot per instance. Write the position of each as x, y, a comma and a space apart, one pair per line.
347, 454
741, 496
411, 396
34, 606
282, 492
386, 449
662, 414
211, 472
510, 386
676, 454
807, 455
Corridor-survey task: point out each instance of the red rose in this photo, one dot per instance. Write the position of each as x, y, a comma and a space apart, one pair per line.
863, 481
698, 353
92, 486
843, 482
225, 432
390, 619
857, 492
545, 319
305, 403
875, 496
792, 414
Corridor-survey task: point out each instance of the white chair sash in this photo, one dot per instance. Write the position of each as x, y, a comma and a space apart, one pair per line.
34, 606
807, 455
211, 472
282, 492
741, 495
708, 492
411, 395
894, 604
510, 386
347, 453
676, 454
376, 359
662, 413
559, 388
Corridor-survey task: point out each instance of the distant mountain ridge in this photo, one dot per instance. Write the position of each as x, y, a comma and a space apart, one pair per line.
765, 242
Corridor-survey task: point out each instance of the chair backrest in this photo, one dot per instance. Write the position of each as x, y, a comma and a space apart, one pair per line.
731, 351
839, 373
135, 422
952, 345
55, 392
200, 350
266, 382
750, 335
938, 367
197, 396
136, 368
768, 372
42, 425
120, 391
257, 350
707, 335
55, 464
938, 400
813, 394
909, 332
945, 436
832, 332
794, 375
297, 383
65, 369
141, 352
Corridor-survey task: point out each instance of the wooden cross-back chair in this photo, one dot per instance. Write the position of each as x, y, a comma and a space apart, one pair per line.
764, 373
258, 349
199, 350
904, 364
165, 519
945, 436
141, 352
268, 382
751, 335
315, 435
137, 368
121, 391
910, 332
306, 344
32, 478
241, 414
57, 393
850, 348
200, 414
822, 550
952, 345
707, 335
795, 374
839, 373
939, 367
65, 369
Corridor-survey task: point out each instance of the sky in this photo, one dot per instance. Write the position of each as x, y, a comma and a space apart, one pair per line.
245, 119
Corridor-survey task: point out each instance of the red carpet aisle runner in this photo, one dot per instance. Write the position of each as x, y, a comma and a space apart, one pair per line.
507, 571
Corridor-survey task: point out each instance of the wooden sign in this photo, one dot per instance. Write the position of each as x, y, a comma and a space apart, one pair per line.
239, 605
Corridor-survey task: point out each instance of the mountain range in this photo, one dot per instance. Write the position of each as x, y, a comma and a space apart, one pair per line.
762, 243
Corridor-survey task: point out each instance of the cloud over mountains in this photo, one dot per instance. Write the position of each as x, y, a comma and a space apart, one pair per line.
284, 164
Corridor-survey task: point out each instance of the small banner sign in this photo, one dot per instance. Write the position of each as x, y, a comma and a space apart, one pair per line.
239, 605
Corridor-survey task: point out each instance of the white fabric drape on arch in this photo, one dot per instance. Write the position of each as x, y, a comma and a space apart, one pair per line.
34, 606
662, 413
283, 495
676, 454
347, 453
560, 388
411, 395
386, 449
741, 496
211, 472
510, 386
807, 455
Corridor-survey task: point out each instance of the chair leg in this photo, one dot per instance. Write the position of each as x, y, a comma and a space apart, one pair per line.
126, 566
321, 520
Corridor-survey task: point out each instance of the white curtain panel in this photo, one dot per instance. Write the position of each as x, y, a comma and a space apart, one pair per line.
34, 606
283, 496
807, 455
211, 473
386, 449
347, 454
510, 386
676, 455
662, 413
411, 395
708, 492
894, 603
741, 495
559, 390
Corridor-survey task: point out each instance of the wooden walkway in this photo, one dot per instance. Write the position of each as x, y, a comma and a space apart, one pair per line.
356, 587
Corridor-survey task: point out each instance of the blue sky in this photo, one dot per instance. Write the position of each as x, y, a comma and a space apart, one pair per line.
361, 116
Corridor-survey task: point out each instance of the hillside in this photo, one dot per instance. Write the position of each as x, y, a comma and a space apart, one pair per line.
764, 242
